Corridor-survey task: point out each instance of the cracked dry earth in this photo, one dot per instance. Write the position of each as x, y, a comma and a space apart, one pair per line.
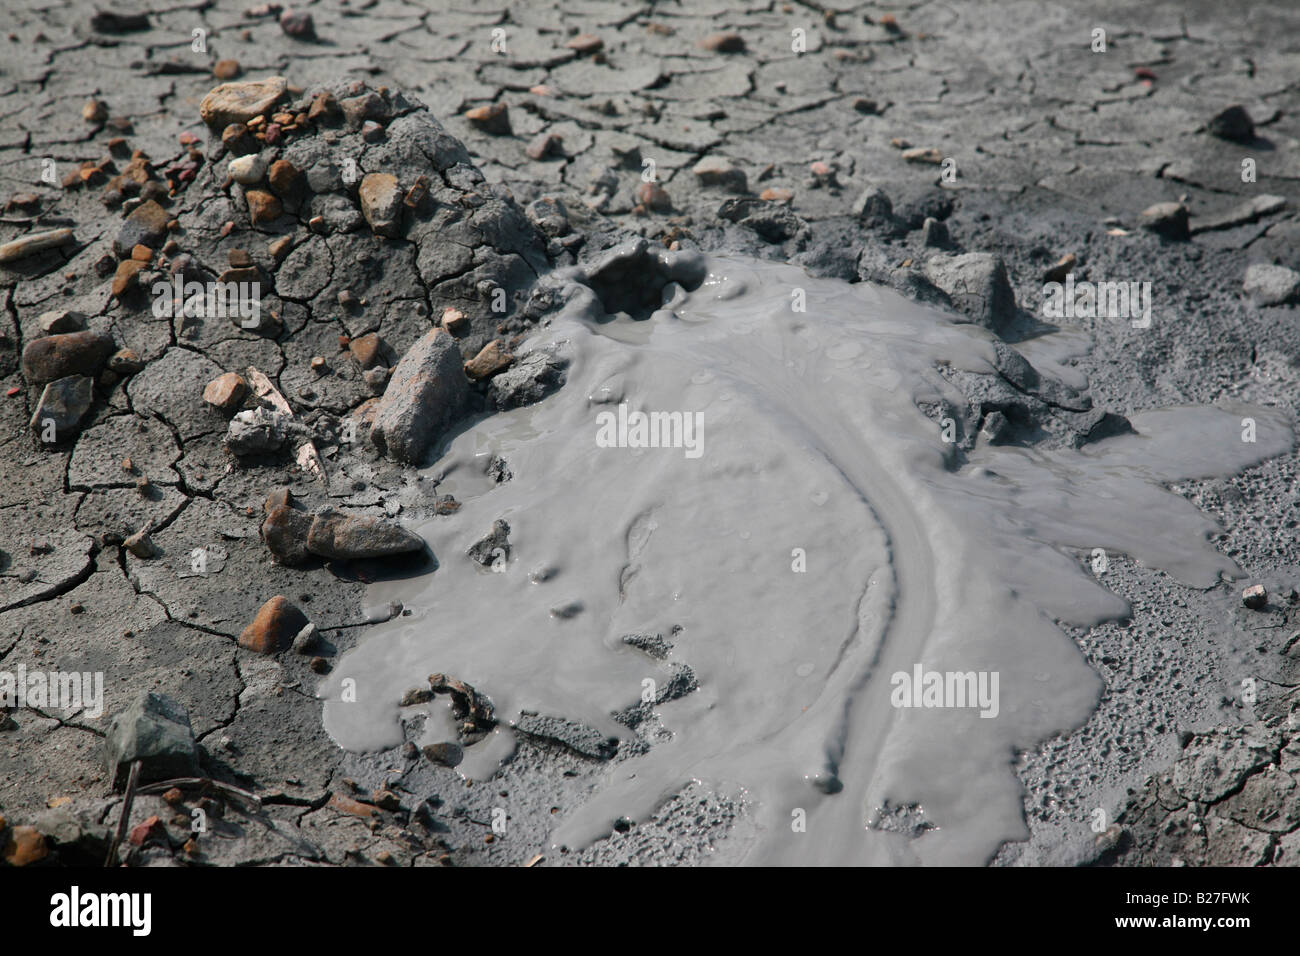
532, 126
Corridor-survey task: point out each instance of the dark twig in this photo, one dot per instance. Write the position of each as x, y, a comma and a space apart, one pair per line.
122, 821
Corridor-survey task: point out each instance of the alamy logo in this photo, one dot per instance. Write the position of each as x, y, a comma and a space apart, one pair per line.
209, 300
924, 688
53, 690
74, 908
628, 429
1099, 300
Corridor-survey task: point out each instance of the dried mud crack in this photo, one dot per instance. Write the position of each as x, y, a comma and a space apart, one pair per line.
244, 301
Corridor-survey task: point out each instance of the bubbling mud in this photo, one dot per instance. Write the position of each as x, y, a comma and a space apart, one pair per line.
843, 583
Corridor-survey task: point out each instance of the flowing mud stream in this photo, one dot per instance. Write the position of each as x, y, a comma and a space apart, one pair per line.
812, 553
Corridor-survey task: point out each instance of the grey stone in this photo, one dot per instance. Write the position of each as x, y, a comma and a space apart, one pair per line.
257, 431
1268, 284
1168, 219
60, 321
336, 535
529, 380
1233, 124
934, 234
381, 203
155, 730
978, 285
493, 547
721, 172
427, 392
63, 404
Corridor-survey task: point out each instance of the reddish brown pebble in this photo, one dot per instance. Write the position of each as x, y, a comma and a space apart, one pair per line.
653, 196
455, 321
226, 392
262, 206
275, 625
493, 118
585, 43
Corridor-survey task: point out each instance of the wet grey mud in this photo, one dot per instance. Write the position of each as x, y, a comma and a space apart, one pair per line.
738, 544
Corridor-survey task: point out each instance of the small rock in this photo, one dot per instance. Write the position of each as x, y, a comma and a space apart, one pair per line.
585, 43
367, 349
530, 379
146, 226
1064, 266
368, 106
110, 21
1268, 284
776, 194
155, 730
720, 171
240, 102
22, 846
493, 547
978, 285
277, 623
543, 145
723, 43
336, 535
416, 696
227, 69
455, 321
284, 531
257, 431
654, 197
1233, 124
95, 111
152, 830
141, 545
324, 107
490, 360
427, 392
1168, 219
381, 203
33, 243
247, 170
262, 206
923, 154
446, 754
61, 321
1255, 597
306, 640
226, 392
934, 234
239, 140
874, 207
125, 362
127, 276
298, 24
62, 406
549, 215
58, 356
493, 118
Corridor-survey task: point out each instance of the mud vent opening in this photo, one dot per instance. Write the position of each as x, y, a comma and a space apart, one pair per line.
633, 280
